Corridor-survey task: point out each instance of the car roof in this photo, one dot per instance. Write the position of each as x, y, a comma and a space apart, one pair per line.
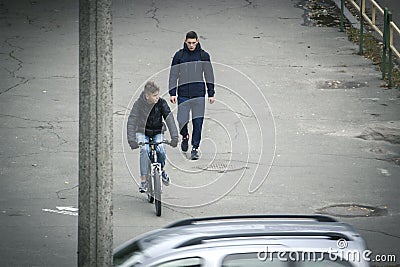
196, 231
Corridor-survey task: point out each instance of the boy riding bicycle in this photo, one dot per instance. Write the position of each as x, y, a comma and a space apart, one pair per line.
146, 121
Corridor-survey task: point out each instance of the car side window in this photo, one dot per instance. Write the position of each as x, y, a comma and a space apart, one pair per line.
250, 260
321, 264
325, 261
287, 259
187, 262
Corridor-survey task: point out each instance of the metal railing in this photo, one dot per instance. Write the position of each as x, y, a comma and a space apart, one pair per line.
371, 21
393, 27
387, 31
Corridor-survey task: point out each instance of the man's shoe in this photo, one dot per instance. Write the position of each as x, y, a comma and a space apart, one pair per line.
194, 155
143, 187
185, 143
165, 179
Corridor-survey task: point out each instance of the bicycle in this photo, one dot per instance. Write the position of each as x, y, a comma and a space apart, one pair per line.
154, 185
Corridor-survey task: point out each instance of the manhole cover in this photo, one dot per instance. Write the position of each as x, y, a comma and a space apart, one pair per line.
395, 160
222, 166
341, 85
353, 210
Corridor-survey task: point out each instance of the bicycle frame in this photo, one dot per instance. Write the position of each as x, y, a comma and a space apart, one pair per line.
154, 165
155, 168
154, 189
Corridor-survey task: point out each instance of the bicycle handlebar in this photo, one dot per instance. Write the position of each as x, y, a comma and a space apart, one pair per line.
155, 143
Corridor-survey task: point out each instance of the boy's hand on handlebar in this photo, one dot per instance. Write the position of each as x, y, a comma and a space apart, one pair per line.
133, 144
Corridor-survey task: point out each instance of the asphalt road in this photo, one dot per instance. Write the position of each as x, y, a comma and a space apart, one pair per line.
301, 123
393, 6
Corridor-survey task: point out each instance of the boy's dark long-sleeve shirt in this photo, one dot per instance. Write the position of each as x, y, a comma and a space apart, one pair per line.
148, 119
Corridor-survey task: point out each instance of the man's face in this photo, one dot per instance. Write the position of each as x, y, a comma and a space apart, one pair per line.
191, 43
152, 98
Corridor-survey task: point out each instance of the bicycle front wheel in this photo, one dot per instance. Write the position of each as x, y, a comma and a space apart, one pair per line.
157, 193
150, 193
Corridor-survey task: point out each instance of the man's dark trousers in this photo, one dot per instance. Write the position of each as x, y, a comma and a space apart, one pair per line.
196, 106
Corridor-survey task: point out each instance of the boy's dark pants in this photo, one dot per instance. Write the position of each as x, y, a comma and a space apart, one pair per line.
196, 106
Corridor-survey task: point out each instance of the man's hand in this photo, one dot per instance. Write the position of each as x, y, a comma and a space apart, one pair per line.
173, 99
133, 144
211, 100
174, 142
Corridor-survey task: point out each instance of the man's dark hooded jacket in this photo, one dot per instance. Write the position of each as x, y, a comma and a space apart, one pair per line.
147, 118
187, 72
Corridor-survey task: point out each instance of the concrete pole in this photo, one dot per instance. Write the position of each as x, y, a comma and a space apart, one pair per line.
95, 234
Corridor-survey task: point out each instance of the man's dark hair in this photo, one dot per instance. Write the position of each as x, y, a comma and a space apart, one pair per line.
151, 87
191, 35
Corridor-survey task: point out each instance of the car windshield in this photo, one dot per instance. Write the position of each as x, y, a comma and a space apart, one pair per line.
128, 256
135, 252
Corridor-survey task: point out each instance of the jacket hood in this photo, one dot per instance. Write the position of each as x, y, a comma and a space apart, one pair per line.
186, 48
143, 101
142, 97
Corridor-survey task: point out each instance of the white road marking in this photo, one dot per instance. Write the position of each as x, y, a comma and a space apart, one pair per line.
68, 209
64, 210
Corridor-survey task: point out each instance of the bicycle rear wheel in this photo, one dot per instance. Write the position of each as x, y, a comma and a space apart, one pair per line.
157, 193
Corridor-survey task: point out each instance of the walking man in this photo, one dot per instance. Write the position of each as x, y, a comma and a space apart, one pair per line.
190, 78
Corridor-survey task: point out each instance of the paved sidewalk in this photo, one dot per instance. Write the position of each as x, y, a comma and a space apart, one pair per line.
293, 130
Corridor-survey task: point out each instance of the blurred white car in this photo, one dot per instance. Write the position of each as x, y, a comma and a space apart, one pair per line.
247, 241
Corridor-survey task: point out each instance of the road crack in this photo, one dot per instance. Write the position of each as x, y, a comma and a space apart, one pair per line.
249, 3
180, 212
22, 80
50, 126
51, 129
33, 120
58, 193
154, 16
218, 110
153, 12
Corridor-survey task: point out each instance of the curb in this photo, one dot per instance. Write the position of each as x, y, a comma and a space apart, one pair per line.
354, 22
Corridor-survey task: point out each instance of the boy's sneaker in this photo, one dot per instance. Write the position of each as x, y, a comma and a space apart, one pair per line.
185, 143
194, 155
165, 179
143, 187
